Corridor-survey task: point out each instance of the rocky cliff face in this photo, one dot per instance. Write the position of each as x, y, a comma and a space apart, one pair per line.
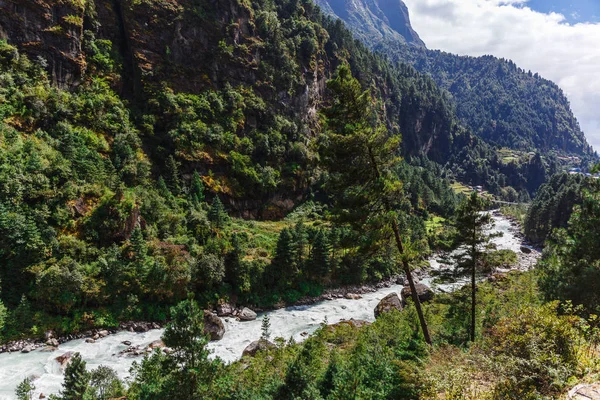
374, 21
50, 31
275, 57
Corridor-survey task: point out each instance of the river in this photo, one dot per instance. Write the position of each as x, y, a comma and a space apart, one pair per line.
296, 322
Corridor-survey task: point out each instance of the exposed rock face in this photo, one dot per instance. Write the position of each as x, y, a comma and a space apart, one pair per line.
49, 29
256, 346
585, 392
375, 20
388, 303
424, 293
213, 326
247, 315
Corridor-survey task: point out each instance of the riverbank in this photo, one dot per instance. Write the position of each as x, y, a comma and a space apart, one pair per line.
509, 225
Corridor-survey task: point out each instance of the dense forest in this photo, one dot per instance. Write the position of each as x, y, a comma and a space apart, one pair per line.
160, 158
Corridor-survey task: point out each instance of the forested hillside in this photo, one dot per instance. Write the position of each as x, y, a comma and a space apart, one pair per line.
163, 157
124, 150
497, 100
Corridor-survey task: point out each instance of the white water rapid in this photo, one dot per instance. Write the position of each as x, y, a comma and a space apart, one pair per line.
294, 322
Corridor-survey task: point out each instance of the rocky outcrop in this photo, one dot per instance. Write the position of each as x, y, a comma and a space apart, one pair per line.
48, 31
64, 359
256, 346
424, 292
225, 310
213, 326
388, 303
585, 392
247, 315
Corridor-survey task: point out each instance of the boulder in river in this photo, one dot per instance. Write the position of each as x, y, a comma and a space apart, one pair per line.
65, 359
28, 349
213, 326
224, 310
256, 346
90, 340
423, 291
353, 296
52, 342
526, 250
157, 344
388, 303
247, 315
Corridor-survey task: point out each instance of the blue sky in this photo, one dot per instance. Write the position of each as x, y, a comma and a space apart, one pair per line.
574, 10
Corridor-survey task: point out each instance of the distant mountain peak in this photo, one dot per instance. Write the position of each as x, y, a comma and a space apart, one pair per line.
375, 20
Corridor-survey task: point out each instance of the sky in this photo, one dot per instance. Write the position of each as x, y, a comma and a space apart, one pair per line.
559, 39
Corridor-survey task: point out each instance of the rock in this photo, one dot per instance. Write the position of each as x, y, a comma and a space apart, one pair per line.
52, 342
224, 310
157, 344
213, 326
140, 327
96, 337
247, 314
354, 323
103, 333
526, 250
256, 346
388, 303
400, 281
65, 359
126, 343
424, 292
90, 340
353, 296
585, 392
28, 349
42, 396
49, 349
304, 334
49, 335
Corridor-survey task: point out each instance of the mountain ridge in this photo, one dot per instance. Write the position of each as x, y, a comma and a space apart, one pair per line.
500, 102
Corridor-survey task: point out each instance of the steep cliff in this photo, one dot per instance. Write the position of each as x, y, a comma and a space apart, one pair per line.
374, 21
230, 89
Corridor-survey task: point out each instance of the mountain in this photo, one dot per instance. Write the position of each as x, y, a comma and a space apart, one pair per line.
375, 20
500, 102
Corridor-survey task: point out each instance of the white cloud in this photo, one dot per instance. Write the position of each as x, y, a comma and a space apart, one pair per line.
568, 54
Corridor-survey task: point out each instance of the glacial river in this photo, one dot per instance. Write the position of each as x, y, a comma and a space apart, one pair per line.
289, 322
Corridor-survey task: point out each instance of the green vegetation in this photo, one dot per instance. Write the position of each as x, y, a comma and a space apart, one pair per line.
553, 206
291, 159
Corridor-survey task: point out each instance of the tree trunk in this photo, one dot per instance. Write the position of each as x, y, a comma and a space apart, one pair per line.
411, 283
473, 284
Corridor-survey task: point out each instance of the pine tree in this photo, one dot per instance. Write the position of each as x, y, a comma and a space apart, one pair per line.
162, 188
172, 175
472, 225
361, 158
233, 267
76, 379
284, 263
197, 189
25, 390
265, 327
300, 242
185, 335
319, 260
217, 214
138, 243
